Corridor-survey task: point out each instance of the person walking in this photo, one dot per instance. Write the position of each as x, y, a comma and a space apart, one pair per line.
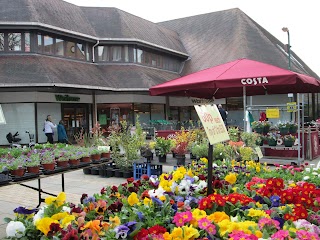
62, 134
223, 114
48, 129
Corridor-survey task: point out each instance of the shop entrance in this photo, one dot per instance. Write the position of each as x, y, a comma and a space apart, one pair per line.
76, 117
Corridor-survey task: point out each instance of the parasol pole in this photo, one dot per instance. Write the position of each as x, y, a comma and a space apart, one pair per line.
244, 108
210, 161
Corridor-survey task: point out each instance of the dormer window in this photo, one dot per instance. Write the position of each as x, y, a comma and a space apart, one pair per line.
14, 41
1, 41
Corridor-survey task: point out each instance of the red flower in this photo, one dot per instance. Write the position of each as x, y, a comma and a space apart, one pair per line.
103, 191
145, 177
114, 189
157, 229
143, 233
54, 228
205, 203
130, 180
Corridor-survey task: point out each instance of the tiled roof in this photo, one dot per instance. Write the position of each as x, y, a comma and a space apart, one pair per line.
35, 70
95, 22
215, 38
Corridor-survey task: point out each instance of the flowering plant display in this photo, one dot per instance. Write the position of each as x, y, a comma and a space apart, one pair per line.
289, 138
249, 201
182, 140
272, 136
14, 163
32, 159
47, 156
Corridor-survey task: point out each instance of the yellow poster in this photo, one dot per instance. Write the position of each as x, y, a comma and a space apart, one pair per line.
291, 107
212, 122
273, 113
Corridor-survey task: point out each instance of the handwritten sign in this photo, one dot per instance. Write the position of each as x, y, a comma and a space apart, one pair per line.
259, 152
291, 107
212, 122
273, 113
2, 119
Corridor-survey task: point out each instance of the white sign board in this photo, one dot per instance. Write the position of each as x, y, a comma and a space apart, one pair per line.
213, 124
2, 119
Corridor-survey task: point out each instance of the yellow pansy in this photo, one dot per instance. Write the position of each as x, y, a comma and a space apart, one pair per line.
190, 232
67, 220
57, 201
204, 160
44, 224
133, 199
162, 198
231, 178
114, 221
147, 201
59, 216
259, 205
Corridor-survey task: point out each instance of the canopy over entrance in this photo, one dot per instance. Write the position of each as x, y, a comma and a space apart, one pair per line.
228, 80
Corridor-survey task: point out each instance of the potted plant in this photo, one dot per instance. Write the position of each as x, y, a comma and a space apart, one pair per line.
180, 150
105, 151
84, 154
201, 149
257, 126
95, 154
283, 128
33, 162
266, 127
293, 127
48, 160
233, 134
219, 151
4, 174
63, 160
289, 140
164, 147
16, 165
259, 140
249, 138
272, 138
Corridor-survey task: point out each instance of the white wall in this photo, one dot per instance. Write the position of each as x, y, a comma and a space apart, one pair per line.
19, 117
45, 109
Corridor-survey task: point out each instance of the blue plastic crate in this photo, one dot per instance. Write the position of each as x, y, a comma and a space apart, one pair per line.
149, 169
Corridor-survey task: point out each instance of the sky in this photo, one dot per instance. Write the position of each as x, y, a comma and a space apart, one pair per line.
298, 16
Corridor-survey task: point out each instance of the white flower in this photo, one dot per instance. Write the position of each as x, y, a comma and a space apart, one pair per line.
196, 178
306, 178
184, 186
15, 229
156, 193
38, 215
200, 186
314, 173
234, 219
66, 209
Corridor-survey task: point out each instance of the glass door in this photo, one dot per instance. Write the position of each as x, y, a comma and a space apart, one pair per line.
75, 118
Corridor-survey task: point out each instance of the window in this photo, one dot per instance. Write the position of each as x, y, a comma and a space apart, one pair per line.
27, 42
87, 53
139, 55
1, 41
126, 53
80, 51
48, 45
59, 47
70, 49
14, 41
39, 49
116, 54
103, 53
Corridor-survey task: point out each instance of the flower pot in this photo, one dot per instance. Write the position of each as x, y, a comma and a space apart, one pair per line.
192, 156
128, 173
162, 158
94, 171
33, 169
4, 177
18, 172
102, 171
181, 159
96, 157
85, 159
288, 143
173, 154
293, 129
284, 131
118, 173
48, 166
258, 129
272, 142
62, 163
266, 129
106, 155
109, 172
74, 162
87, 170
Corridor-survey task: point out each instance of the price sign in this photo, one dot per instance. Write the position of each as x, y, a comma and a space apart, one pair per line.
273, 113
212, 123
291, 107
259, 152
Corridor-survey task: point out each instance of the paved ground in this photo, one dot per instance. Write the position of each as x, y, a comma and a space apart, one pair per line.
76, 183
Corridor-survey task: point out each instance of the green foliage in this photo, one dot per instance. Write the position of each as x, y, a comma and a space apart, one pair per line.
246, 153
201, 149
233, 134
249, 139
219, 151
163, 145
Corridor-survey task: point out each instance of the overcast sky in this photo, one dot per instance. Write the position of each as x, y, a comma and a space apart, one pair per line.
299, 16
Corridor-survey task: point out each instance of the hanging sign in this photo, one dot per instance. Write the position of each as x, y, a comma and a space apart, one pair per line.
273, 113
212, 122
2, 119
291, 107
259, 152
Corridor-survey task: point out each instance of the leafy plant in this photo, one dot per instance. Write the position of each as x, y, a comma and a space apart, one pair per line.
201, 149
219, 151
233, 134
16, 162
47, 157
249, 139
289, 138
163, 145
246, 153
33, 159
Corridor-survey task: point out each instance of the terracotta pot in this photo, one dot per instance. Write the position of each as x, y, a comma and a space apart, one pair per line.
95, 157
18, 172
74, 162
62, 163
85, 159
34, 169
48, 166
106, 155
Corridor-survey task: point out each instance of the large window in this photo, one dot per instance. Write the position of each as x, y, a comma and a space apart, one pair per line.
39, 48
103, 53
60, 47
116, 53
80, 51
14, 41
27, 42
1, 41
48, 45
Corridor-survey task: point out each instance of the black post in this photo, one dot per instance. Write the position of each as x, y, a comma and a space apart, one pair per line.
62, 182
210, 161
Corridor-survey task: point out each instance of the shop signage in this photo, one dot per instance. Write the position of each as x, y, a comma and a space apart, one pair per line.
254, 81
291, 107
273, 113
201, 101
2, 119
212, 123
66, 98
259, 152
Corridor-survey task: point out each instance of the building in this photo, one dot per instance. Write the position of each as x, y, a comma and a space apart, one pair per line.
83, 64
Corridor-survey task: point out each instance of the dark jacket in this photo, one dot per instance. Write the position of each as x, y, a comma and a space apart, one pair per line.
62, 135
